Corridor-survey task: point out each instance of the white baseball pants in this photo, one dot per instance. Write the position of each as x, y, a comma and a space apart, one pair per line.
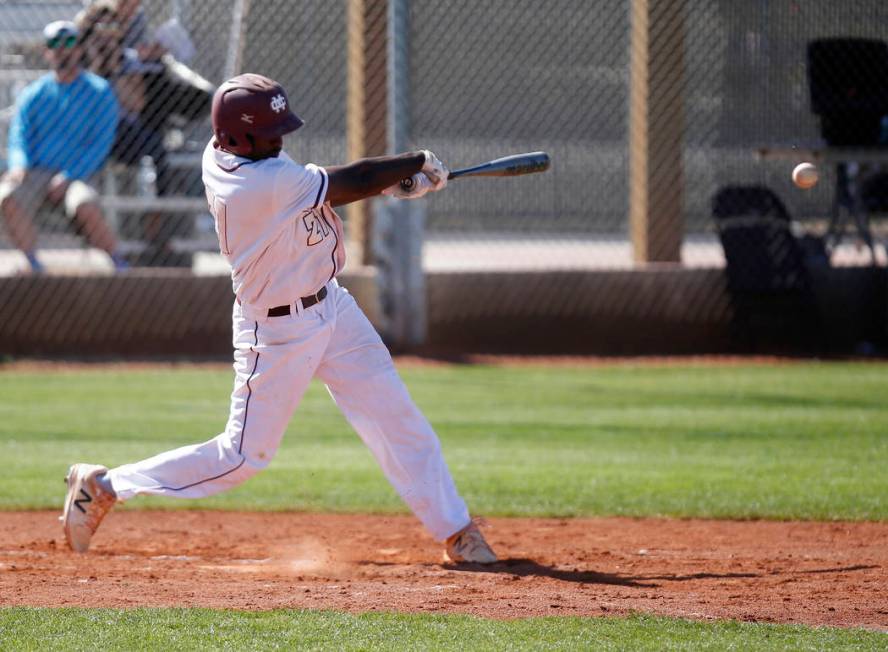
274, 360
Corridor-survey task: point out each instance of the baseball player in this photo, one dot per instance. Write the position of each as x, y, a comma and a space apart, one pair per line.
292, 321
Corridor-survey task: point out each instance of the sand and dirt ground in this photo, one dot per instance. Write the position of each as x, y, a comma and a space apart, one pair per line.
788, 572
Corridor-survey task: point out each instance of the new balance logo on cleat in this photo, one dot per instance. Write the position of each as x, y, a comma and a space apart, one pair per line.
86, 499
86, 504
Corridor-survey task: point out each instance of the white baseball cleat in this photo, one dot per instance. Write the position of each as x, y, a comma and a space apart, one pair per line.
86, 504
469, 545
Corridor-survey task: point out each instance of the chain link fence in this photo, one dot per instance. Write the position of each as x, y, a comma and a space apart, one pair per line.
477, 81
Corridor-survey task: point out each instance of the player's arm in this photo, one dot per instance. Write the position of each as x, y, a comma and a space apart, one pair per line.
369, 177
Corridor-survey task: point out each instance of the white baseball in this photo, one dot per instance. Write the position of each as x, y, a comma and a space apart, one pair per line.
805, 175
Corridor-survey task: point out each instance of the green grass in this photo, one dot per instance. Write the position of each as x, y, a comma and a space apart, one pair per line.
806, 441
797, 441
193, 629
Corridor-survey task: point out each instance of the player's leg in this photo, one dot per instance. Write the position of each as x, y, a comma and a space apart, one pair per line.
274, 364
361, 377
275, 360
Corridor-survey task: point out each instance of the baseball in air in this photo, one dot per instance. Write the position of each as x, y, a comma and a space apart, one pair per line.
805, 175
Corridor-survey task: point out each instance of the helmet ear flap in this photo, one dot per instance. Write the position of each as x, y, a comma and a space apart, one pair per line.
242, 145
226, 140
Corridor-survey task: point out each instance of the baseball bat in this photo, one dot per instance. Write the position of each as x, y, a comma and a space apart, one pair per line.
507, 166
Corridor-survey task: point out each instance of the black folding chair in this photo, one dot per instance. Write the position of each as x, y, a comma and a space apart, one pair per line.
767, 271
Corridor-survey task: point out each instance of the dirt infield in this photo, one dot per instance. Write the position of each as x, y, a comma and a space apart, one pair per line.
814, 573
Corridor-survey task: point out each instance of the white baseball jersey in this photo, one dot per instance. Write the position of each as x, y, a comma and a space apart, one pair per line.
285, 243
281, 239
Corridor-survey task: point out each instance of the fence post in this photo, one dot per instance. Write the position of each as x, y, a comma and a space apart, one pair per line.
366, 106
656, 130
384, 232
408, 317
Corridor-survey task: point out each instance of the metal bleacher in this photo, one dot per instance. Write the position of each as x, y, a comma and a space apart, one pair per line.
124, 193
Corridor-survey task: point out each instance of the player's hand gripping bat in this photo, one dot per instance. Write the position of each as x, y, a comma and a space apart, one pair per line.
507, 166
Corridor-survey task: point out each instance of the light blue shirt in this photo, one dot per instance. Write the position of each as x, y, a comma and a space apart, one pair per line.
67, 128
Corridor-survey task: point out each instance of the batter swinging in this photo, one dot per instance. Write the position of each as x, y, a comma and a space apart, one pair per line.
292, 321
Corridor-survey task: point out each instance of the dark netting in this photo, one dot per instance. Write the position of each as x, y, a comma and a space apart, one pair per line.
737, 95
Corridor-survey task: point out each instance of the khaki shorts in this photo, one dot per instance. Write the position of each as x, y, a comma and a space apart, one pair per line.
31, 193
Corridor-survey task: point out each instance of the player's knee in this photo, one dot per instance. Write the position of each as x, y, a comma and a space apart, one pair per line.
258, 460
238, 451
255, 454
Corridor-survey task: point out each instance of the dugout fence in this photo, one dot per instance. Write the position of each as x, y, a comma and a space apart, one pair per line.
648, 109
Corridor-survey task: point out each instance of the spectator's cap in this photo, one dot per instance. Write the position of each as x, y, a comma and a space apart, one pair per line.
61, 32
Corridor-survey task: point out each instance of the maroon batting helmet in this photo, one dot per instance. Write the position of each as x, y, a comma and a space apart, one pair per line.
251, 105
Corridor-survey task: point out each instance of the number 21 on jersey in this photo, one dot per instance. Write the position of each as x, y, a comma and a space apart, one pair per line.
316, 225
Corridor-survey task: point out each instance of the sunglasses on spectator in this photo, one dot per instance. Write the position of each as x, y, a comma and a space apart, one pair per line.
62, 41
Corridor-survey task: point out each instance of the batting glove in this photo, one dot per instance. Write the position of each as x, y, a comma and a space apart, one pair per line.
435, 169
412, 188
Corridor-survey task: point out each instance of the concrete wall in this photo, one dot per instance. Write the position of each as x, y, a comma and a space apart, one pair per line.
140, 314
631, 312
654, 310
604, 312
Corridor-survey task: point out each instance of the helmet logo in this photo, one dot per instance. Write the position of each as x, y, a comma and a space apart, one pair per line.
246, 117
278, 103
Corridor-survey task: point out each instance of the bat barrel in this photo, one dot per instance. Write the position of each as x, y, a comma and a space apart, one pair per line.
507, 166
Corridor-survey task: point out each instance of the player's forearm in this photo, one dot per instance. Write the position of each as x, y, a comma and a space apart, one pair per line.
369, 176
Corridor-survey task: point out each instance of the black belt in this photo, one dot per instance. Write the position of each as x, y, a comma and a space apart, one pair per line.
310, 300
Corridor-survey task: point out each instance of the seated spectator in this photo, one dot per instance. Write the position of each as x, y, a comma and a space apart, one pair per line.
59, 138
154, 90
136, 136
162, 88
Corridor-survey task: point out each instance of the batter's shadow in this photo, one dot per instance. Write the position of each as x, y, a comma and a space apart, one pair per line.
520, 567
